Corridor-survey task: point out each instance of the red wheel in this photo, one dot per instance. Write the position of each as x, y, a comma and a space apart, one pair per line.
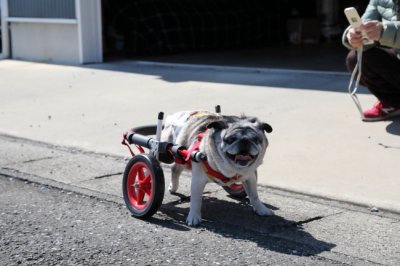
143, 186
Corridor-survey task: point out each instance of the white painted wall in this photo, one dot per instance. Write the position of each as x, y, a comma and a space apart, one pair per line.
65, 41
52, 43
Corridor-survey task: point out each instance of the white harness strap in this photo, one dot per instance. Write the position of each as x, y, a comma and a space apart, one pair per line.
354, 82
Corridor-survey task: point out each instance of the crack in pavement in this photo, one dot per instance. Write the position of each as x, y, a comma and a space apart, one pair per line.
108, 175
39, 159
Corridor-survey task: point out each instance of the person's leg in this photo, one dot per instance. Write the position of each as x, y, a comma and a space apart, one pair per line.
380, 74
382, 77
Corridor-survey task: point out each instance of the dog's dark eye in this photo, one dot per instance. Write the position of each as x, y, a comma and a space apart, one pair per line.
230, 139
253, 120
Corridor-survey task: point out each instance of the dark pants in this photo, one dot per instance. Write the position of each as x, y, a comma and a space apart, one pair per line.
380, 74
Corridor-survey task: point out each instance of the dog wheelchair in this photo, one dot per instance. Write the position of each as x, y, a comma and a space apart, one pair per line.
143, 183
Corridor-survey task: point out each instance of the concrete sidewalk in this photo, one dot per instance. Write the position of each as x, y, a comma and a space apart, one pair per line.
319, 145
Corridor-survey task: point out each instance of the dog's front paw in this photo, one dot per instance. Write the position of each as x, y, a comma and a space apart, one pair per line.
193, 219
261, 210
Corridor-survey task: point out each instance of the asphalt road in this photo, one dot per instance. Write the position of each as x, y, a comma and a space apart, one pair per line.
63, 206
48, 226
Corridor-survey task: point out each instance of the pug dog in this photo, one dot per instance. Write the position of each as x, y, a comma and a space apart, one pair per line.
234, 145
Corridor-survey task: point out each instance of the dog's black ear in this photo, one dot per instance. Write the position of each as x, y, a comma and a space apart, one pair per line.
266, 127
219, 124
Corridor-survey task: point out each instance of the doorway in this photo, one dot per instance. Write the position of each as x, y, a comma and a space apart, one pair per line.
250, 33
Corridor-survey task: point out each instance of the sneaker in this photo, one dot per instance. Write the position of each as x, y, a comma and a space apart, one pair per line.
379, 113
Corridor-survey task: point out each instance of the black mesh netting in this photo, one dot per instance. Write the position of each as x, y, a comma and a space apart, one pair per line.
166, 26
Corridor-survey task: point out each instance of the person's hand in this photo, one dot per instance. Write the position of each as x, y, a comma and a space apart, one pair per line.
354, 38
373, 29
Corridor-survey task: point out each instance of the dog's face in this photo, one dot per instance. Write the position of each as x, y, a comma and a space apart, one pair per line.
241, 141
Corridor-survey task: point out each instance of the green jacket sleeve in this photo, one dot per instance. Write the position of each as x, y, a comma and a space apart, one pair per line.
371, 13
391, 29
391, 34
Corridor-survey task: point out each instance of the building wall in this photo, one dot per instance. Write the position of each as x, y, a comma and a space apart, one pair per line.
45, 42
55, 31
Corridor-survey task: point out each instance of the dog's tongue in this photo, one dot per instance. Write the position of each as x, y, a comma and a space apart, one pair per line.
241, 157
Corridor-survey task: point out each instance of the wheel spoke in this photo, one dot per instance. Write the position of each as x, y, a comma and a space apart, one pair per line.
141, 173
132, 193
147, 190
140, 196
145, 183
131, 183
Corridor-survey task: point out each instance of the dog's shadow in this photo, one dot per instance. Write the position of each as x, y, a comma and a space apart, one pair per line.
237, 221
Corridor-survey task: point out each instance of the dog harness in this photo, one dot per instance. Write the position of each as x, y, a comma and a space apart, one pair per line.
212, 174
